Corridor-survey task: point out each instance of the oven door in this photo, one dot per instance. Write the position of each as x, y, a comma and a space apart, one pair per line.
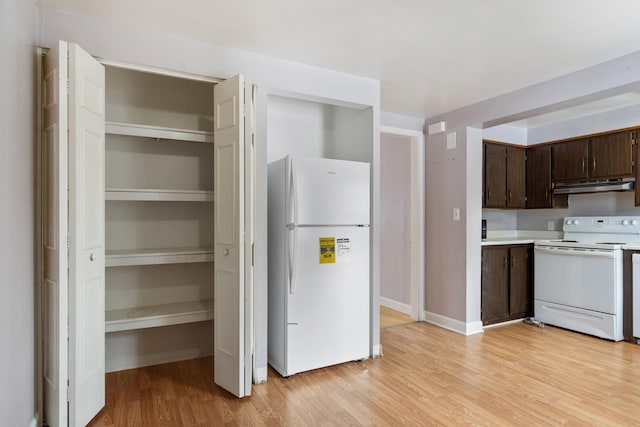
588, 279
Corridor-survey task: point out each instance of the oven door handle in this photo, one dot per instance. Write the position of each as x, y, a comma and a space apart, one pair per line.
574, 252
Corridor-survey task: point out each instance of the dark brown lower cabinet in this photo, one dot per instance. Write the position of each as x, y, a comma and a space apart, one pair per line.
507, 285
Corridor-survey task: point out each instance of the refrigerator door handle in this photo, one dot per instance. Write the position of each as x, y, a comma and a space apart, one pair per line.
293, 196
293, 237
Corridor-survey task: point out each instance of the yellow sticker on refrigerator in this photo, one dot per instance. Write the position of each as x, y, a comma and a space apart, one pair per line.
327, 250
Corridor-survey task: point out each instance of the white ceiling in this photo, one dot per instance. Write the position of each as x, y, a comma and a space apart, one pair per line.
431, 56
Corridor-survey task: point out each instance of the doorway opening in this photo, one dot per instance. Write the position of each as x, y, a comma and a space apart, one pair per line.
402, 226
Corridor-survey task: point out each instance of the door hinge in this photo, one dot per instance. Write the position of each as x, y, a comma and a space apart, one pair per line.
253, 255
68, 393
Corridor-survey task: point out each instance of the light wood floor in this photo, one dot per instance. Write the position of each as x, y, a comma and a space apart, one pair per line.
516, 375
390, 317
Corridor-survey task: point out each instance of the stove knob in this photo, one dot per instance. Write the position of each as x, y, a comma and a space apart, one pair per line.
625, 222
568, 222
576, 222
634, 222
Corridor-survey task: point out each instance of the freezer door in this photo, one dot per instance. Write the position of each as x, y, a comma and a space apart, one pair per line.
328, 192
328, 298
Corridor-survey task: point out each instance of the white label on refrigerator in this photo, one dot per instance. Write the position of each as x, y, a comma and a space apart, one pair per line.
343, 249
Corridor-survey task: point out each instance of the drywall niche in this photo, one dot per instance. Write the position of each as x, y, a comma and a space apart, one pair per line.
300, 127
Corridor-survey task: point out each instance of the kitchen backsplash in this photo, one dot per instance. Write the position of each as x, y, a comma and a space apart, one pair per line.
611, 203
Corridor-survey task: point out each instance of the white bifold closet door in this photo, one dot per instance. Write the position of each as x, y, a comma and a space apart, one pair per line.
233, 183
74, 236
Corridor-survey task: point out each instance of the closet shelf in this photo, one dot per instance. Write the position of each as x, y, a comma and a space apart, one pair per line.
158, 315
158, 132
158, 195
121, 258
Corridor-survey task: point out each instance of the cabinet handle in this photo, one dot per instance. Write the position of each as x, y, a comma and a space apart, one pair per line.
594, 163
92, 257
509, 195
583, 162
513, 260
546, 194
505, 262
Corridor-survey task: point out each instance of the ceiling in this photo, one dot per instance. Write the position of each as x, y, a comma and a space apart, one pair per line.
431, 56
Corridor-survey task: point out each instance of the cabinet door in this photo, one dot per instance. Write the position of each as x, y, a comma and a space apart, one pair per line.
519, 281
516, 177
611, 155
570, 160
539, 177
495, 284
495, 173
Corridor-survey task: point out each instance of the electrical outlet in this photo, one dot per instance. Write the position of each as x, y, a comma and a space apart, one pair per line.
551, 225
456, 214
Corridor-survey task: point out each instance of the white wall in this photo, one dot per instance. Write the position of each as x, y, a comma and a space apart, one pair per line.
395, 228
602, 122
506, 133
17, 192
401, 122
150, 47
445, 272
297, 128
597, 204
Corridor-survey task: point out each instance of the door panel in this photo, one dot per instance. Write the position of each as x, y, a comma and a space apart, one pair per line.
612, 155
569, 160
328, 306
539, 177
229, 295
495, 174
86, 228
55, 292
495, 284
516, 177
249, 209
329, 192
519, 278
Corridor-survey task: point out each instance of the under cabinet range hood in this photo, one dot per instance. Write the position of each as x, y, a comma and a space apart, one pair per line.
620, 184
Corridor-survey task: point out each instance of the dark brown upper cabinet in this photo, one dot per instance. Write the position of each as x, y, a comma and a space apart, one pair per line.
598, 157
539, 182
539, 177
612, 155
570, 160
504, 176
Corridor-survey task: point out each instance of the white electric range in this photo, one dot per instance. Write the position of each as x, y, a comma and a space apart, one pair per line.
578, 280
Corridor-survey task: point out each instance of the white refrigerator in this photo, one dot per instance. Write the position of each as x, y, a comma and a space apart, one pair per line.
318, 263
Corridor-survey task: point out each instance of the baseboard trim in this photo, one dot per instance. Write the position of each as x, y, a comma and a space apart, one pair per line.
464, 328
35, 422
395, 305
377, 350
260, 375
508, 322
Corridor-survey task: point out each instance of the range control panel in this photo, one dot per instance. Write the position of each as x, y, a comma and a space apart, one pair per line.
623, 229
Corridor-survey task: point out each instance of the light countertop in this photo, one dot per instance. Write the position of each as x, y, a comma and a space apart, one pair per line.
518, 237
506, 241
